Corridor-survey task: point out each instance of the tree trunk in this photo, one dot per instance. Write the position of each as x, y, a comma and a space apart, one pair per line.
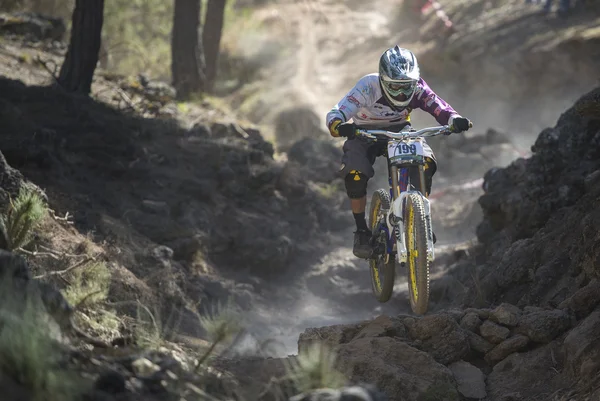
77, 70
211, 39
187, 58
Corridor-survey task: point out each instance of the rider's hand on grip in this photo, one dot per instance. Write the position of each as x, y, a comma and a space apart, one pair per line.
347, 130
460, 124
333, 128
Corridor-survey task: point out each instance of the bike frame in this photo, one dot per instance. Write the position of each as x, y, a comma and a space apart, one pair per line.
398, 179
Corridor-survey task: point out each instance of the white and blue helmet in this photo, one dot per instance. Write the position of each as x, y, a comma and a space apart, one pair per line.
398, 75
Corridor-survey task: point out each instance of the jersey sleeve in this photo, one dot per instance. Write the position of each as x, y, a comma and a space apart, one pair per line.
426, 99
360, 96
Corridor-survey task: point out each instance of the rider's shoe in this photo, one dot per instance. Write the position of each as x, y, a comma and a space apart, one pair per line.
362, 244
434, 239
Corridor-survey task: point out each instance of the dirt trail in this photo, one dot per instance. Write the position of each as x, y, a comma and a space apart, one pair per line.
336, 288
334, 48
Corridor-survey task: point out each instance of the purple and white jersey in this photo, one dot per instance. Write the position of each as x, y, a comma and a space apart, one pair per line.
366, 105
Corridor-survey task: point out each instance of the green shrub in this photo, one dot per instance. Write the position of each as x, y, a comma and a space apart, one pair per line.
23, 216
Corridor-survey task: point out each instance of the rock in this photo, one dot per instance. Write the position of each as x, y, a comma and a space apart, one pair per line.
470, 379
493, 332
441, 336
400, 371
456, 314
331, 336
478, 343
531, 309
355, 393
531, 375
143, 367
544, 326
162, 254
540, 216
199, 130
471, 322
584, 300
482, 313
159, 91
582, 349
319, 159
505, 348
257, 141
506, 314
383, 326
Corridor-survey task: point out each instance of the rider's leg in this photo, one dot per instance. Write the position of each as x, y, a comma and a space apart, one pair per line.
356, 170
356, 188
430, 169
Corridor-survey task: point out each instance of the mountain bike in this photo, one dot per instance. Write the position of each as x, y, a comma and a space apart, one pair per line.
400, 216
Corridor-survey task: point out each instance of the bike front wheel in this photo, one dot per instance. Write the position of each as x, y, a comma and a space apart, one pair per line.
382, 265
415, 229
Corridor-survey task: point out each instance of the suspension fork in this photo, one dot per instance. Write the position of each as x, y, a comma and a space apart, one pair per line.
422, 186
429, 228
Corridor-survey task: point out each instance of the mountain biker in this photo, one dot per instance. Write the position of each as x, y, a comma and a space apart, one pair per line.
383, 100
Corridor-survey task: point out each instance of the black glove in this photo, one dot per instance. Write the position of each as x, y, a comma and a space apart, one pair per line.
347, 130
460, 124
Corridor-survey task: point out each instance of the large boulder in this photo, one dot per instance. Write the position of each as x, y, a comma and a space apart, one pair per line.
582, 349
527, 375
402, 372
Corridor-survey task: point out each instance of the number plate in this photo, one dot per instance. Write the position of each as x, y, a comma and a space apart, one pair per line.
409, 151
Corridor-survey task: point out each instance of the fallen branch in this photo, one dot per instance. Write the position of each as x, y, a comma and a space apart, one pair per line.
127, 99
68, 269
65, 219
36, 253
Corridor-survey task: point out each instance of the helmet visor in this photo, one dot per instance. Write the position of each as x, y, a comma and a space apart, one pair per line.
399, 90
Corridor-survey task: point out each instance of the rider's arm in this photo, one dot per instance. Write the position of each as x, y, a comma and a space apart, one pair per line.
426, 99
358, 97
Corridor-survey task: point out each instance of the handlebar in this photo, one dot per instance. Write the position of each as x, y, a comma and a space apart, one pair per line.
425, 132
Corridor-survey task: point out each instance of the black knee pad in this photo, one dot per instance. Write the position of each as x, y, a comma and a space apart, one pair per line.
356, 184
430, 169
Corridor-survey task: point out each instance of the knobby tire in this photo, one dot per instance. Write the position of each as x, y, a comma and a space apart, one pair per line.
383, 274
415, 226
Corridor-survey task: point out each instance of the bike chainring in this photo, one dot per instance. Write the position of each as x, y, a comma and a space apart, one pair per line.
379, 244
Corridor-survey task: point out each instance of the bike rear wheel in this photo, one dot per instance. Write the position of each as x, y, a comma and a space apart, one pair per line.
383, 274
415, 226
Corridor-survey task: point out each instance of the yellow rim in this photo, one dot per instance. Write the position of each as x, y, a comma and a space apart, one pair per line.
373, 263
412, 252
